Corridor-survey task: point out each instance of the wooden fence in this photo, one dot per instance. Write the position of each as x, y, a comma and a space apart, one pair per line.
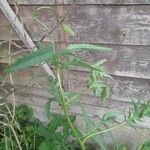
122, 25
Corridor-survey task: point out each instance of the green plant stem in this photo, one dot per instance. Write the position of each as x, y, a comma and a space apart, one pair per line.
100, 132
6, 143
72, 99
64, 107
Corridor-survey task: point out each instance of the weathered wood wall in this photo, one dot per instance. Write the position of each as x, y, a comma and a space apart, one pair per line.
123, 25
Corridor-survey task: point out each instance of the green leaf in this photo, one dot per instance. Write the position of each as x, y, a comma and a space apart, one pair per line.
78, 62
100, 62
47, 108
77, 47
23, 114
147, 109
68, 30
144, 146
110, 115
122, 147
55, 123
43, 146
105, 93
139, 110
43, 131
34, 58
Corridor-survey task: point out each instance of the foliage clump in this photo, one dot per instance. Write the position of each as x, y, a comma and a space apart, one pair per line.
61, 128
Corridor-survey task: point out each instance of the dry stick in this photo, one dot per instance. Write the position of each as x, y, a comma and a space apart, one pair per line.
3, 42
12, 83
19, 28
10, 75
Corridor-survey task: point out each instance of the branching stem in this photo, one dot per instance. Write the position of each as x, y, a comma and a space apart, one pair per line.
104, 131
65, 110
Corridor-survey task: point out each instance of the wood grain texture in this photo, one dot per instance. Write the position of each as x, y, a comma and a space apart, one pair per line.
84, 99
126, 25
122, 88
90, 100
126, 61
52, 2
95, 112
35, 29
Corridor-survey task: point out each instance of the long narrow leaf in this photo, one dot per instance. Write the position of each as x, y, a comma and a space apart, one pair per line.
89, 47
79, 62
34, 58
76, 47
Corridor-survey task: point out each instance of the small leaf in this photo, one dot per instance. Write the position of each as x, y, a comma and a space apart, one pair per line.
43, 131
144, 146
101, 62
105, 93
122, 147
68, 30
55, 123
110, 115
47, 108
147, 109
43, 146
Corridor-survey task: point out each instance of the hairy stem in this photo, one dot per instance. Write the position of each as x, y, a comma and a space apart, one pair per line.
65, 110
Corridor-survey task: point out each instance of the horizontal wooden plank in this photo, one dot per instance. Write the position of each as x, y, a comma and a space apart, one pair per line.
122, 88
126, 61
52, 2
111, 25
90, 101
93, 111
85, 99
126, 25
33, 76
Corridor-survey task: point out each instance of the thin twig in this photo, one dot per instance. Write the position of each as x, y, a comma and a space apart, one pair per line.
19, 28
3, 42
60, 22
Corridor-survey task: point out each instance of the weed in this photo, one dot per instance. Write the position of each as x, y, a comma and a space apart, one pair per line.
60, 128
